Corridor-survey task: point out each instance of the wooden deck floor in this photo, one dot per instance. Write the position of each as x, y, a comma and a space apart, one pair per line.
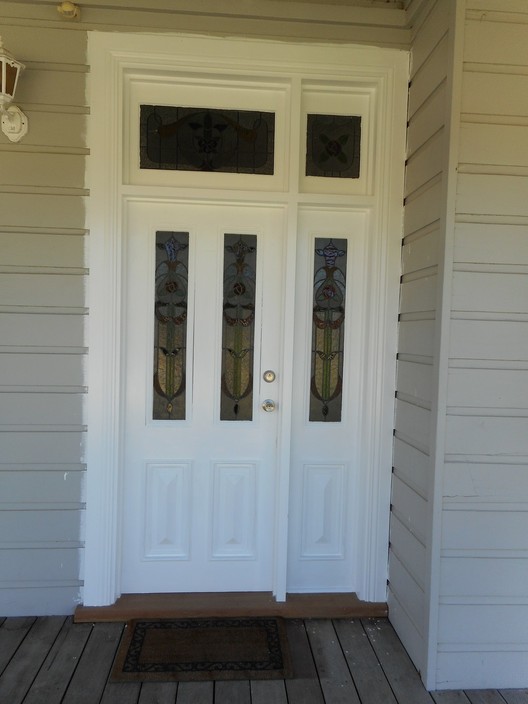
52, 660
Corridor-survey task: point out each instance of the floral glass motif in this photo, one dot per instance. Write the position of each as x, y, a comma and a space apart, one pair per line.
238, 327
328, 329
170, 325
333, 146
206, 139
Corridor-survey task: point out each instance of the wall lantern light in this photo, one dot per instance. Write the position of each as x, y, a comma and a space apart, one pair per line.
14, 122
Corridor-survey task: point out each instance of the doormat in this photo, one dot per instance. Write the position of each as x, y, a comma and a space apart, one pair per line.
202, 649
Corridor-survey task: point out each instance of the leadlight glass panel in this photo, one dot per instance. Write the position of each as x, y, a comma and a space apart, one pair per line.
206, 139
333, 146
328, 329
238, 327
170, 325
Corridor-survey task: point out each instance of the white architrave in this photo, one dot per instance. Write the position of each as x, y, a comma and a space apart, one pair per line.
111, 57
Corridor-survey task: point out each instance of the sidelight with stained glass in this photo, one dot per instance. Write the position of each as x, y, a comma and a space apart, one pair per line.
328, 329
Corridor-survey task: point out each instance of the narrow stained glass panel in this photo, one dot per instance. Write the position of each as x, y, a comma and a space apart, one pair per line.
170, 325
238, 327
207, 139
333, 146
328, 329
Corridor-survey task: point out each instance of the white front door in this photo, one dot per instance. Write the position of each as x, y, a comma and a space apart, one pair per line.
203, 323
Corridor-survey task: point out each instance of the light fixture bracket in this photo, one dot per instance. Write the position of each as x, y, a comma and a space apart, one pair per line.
14, 123
69, 10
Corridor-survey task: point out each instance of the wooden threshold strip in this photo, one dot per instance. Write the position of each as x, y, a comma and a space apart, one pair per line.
210, 604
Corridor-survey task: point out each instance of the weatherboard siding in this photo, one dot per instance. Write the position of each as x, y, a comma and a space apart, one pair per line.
42, 318
483, 596
422, 249
476, 598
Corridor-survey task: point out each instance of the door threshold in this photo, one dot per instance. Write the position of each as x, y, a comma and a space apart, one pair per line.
238, 604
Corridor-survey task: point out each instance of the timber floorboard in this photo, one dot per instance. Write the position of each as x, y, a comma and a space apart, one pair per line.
27, 660
12, 633
52, 660
485, 696
369, 678
515, 696
450, 697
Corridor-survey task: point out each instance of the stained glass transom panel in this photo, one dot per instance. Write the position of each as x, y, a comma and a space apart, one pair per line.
328, 329
170, 325
333, 146
238, 327
206, 139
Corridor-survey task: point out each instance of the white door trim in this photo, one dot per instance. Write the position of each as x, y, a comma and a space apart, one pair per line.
110, 56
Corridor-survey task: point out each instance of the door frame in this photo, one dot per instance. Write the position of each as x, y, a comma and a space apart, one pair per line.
112, 56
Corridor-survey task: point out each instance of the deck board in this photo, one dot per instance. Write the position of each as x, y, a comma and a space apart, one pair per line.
58, 667
12, 633
334, 675
370, 681
158, 693
236, 692
484, 696
304, 688
268, 692
90, 677
515, 696
195, 693
121, 693
450, 697
397, 666
27, 660
52, 660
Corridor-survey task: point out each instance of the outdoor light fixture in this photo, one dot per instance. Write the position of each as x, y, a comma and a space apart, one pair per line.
14, 122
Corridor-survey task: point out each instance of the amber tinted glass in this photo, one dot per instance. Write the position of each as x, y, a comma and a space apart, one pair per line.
10, 79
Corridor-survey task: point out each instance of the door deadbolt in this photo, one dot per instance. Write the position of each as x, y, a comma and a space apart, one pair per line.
268, 405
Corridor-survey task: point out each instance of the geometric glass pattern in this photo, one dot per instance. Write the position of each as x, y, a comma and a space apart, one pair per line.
238, 327
333, 145
170, 325
328, 329
206, 139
